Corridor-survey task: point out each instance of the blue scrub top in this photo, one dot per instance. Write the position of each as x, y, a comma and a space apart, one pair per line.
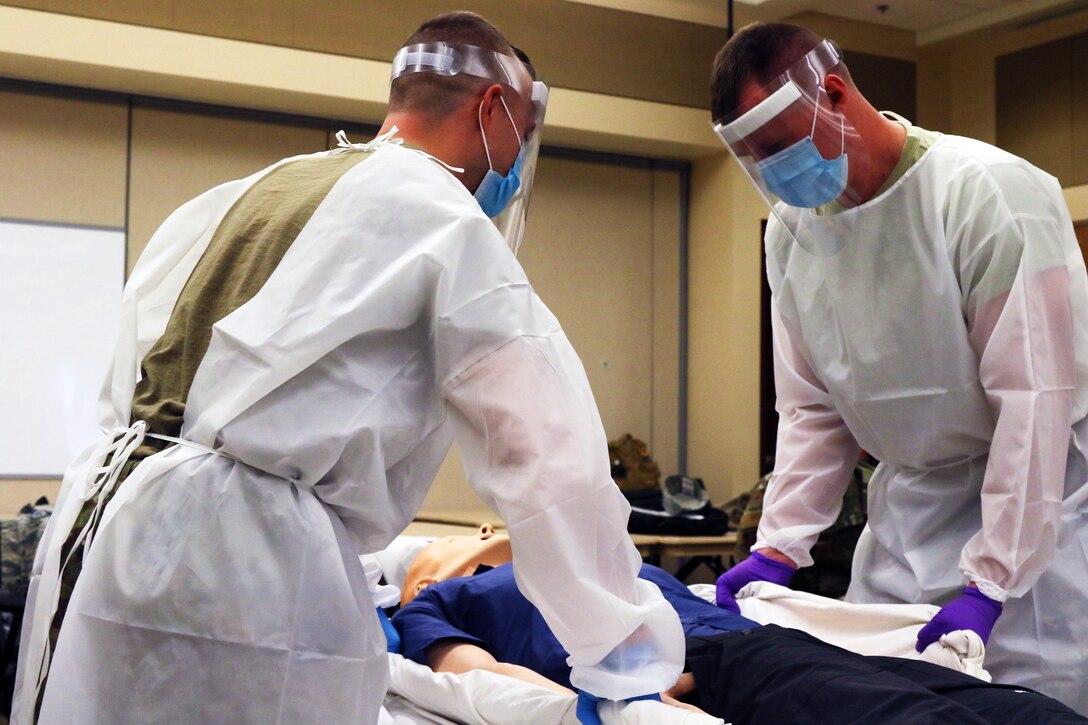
489, 611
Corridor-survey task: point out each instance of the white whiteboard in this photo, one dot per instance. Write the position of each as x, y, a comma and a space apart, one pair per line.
60, 306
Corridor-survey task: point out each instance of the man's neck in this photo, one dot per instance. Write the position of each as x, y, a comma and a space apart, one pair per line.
887, 138
441, 140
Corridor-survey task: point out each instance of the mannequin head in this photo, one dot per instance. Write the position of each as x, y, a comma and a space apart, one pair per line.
455, 556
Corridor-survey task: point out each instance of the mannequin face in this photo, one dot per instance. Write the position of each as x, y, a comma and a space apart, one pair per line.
455, 556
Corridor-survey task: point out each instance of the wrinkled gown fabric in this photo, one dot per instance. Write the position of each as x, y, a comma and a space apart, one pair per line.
943, 327
226, 587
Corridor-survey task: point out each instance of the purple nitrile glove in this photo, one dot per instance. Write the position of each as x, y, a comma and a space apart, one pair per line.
971, 610
756, 568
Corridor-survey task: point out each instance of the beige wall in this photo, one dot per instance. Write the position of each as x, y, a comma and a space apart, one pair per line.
725, 249
575, 46
1042, 107
964, 101
957, 85
58, 145
146, 61
130, 59
1077, 199
602, 251
955, 94
602, 245
180, 151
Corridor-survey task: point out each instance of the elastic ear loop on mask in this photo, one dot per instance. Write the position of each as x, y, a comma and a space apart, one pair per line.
815, 114
483, 134
820, 85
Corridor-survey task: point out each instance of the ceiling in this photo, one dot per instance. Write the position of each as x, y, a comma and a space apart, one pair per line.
930, 20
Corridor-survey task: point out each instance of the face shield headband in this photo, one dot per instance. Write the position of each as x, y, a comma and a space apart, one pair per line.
451, 60
445, 59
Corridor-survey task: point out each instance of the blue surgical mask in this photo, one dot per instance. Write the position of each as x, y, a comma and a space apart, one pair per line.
800, 176
495, 190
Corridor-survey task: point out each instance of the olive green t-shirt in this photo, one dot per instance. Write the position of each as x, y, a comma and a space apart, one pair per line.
245, 249
918, 141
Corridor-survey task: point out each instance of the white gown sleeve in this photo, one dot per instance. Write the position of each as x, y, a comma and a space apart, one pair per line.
815, 457
1015, 279
535, 450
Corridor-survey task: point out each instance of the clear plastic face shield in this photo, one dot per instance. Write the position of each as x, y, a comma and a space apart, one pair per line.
795, 147
450, 60
512, 220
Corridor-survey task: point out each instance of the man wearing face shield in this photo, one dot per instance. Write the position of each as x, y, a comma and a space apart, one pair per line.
929, 306
298, 350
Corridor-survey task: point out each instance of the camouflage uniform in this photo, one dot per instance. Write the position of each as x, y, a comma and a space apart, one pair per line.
19, 538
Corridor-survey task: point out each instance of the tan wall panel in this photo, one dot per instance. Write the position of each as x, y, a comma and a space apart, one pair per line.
973, 112
710, 416
589, 255
666, 321
18, 492
967, 65
178, 153
149, 62
575, 46
64, 161
888, 83
934, 84
63, 158
1076, 198
1034, 106
602, 251
857, 35
724, 327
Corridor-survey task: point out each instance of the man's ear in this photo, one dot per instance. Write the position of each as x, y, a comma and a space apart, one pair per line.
837, 89
423, 584
492, 103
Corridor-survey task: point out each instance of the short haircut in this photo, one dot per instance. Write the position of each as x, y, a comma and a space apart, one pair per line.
759, 52
437, 96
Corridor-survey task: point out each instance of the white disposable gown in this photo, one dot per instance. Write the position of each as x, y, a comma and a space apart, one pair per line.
942, 326
226, 587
